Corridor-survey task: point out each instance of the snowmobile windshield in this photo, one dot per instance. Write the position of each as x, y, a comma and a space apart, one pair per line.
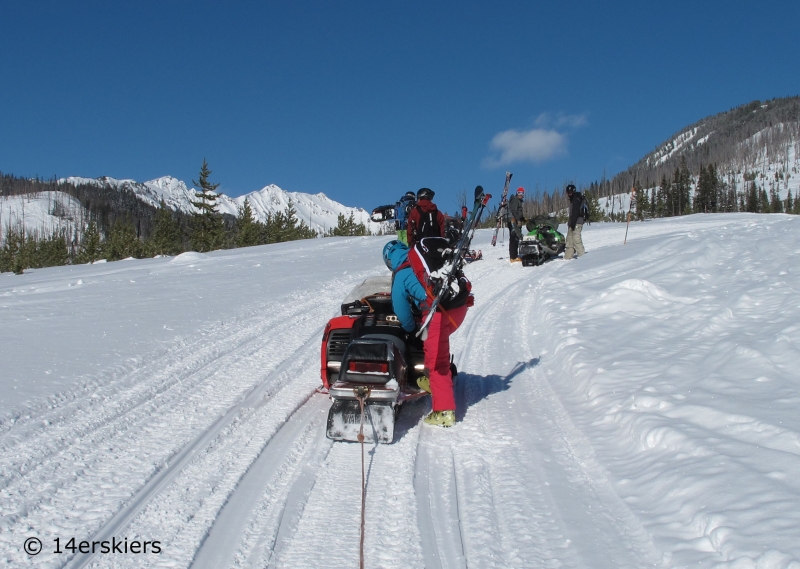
372, 285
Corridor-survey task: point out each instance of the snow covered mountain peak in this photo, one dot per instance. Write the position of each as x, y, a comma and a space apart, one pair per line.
318, 211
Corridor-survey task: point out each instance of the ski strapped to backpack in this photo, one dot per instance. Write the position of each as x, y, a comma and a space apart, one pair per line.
459, 252
502, 208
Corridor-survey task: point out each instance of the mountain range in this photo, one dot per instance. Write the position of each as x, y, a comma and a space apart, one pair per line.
318, 211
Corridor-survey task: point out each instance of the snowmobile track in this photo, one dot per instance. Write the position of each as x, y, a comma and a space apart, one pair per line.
253, 401
231, 524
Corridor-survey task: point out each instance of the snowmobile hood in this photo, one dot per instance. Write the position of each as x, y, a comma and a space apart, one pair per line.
398, 254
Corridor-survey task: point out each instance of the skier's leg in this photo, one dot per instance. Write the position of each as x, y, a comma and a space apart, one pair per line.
513, 242
578, 241
437, 357
569, 251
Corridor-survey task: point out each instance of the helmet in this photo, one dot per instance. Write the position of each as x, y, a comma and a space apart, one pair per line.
570, 188
410, 196
387, 251
425, 194
520, 191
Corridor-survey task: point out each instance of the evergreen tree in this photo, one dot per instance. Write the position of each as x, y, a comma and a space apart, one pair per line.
247, 230
663, 198
775, 203
208, 231
652, 205
167, 237
52, 251
789, 203
13, 252
122, 242
683, 189
91, 246
752, 198
641, 203
347, 226
707, 188
763, 201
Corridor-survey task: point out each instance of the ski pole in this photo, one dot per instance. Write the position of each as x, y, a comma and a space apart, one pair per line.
630, 205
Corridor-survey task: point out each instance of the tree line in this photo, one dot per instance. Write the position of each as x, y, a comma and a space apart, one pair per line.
120, 226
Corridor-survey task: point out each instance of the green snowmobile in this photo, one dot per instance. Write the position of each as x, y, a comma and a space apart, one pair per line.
542, 242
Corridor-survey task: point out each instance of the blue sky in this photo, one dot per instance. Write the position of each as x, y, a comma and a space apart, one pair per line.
366, 100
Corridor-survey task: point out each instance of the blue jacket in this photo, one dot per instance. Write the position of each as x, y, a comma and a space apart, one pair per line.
406, 288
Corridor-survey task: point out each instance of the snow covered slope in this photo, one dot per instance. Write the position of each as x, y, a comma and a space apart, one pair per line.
40, 214
782, 174
317, 210
634, 408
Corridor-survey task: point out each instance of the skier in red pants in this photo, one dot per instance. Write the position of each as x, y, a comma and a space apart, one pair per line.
411, 289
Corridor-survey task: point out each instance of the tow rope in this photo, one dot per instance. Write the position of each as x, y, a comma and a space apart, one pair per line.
361, 394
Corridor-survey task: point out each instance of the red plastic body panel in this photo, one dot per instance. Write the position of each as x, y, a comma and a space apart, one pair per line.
337, 323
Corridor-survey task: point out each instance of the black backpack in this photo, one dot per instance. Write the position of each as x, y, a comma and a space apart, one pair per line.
584, 210
428, 224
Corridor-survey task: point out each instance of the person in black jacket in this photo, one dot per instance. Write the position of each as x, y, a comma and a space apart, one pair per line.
575, 224
515, 221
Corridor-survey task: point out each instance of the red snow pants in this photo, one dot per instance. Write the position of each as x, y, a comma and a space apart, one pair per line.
437, 356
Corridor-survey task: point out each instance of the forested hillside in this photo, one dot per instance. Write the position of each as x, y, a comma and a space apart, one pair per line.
757, 142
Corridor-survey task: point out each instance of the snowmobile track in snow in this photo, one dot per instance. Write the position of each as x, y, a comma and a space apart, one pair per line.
254, 401
236, 518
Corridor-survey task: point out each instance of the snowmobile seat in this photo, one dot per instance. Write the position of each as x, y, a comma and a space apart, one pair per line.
373, 360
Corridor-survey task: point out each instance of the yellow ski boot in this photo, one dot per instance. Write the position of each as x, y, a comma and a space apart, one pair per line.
441, 418
424, 383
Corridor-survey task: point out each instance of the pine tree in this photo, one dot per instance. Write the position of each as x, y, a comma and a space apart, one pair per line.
166, 238
12, 253
664, 198
775, 203
763, 201
641, 203
707, 190
752, 198
683, 189
789, 203
122, 242
91, 246
247, 230
347, 226
208, 231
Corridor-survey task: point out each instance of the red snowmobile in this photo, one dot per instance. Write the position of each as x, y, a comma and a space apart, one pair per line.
366, 353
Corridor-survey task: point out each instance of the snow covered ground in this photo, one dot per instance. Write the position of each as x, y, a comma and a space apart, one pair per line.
635, 407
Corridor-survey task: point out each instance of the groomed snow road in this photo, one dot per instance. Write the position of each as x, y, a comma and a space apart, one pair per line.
215, 446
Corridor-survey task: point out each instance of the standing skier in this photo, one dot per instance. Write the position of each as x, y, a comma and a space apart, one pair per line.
515, 221
412, 292
425, 219
402, 209
575, 223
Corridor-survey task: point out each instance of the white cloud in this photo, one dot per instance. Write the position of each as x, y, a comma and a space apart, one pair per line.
535, 145
544, 142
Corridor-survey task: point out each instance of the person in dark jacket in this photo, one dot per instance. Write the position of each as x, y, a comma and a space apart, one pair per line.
574, 224
515, 221
425, 219
411, 293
